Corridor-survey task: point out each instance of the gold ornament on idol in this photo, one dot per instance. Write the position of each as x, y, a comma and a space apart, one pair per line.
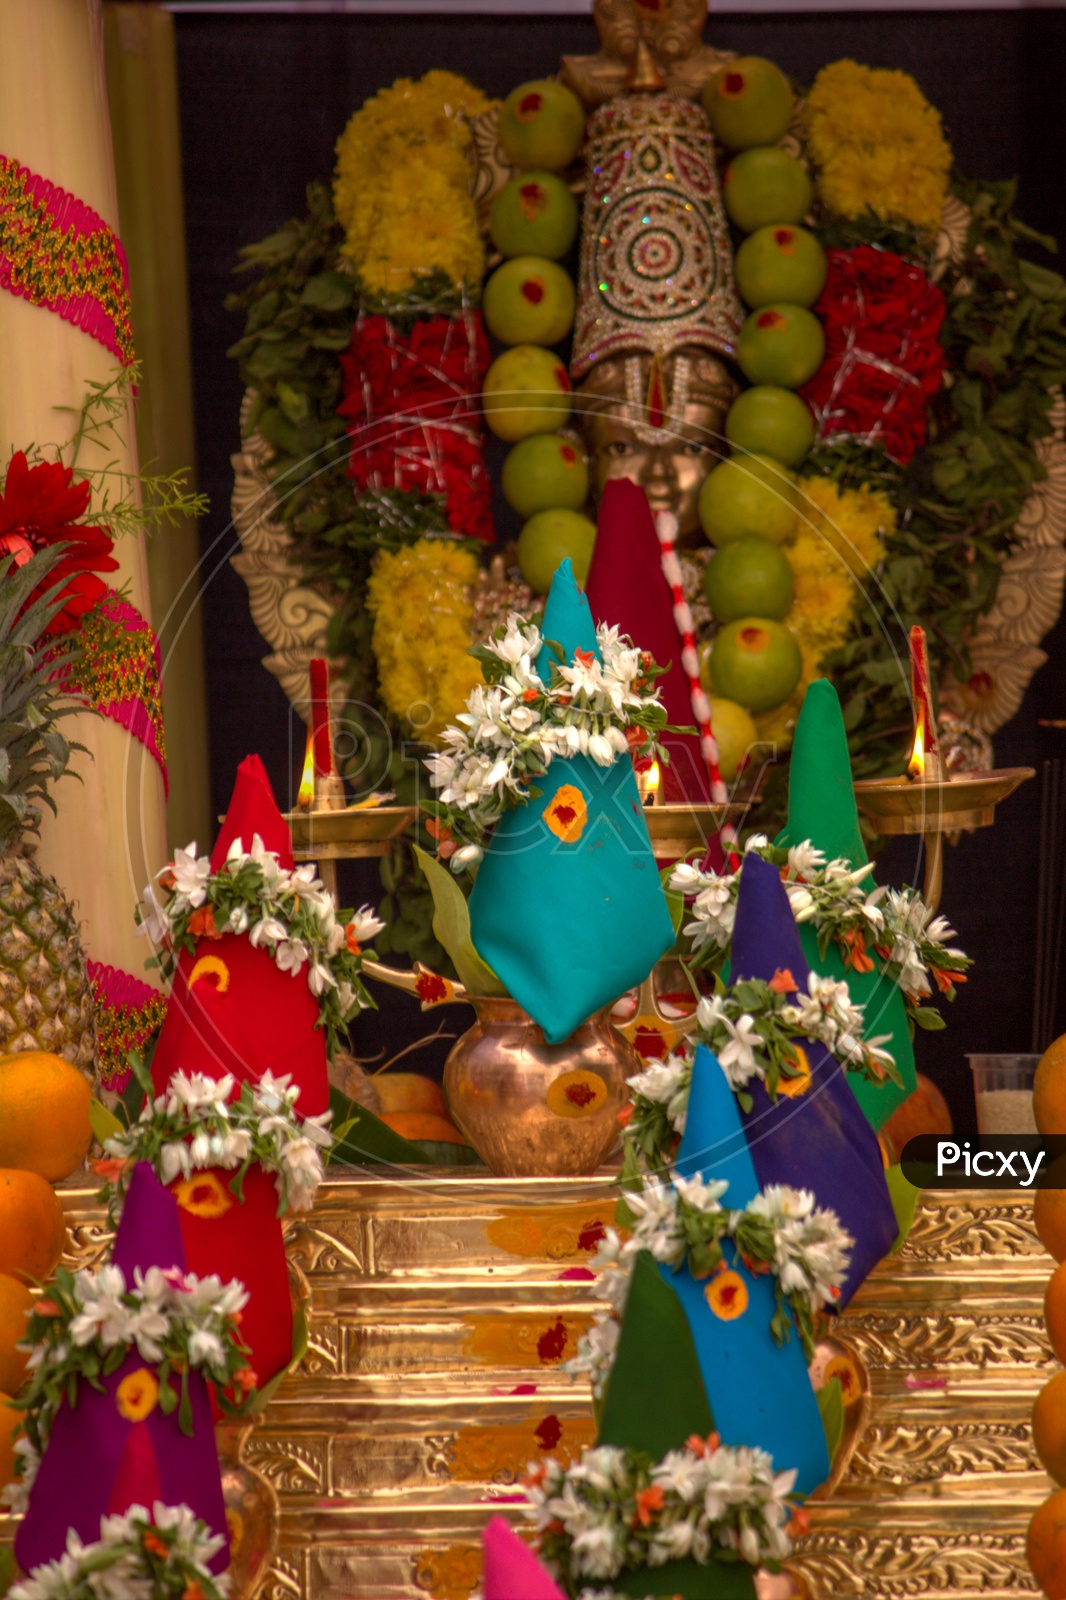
645, 44
657, 310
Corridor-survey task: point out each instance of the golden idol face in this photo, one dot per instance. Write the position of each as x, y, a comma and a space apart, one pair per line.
670, 465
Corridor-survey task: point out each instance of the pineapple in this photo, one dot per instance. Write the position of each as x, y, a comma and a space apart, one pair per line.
46, 1000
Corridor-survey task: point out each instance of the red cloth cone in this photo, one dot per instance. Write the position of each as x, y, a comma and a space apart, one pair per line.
626, 588
250, 1019
253, 810
221, 1235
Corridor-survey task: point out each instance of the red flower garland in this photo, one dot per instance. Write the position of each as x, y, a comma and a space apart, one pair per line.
40, 506
883, 360
412, 401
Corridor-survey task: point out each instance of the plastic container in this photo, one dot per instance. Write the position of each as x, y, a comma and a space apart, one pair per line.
1003, 1089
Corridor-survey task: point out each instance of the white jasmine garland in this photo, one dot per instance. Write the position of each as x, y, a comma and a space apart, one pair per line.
616, 1510
83, 1326
195, 1124
836, 900
516, 724
140, 1555
290, 914
782, 1231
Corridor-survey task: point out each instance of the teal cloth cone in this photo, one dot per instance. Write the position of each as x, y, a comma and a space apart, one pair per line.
759, 1391
567, 907
821, 808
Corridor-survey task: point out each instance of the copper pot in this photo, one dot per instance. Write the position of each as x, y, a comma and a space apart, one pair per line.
532, 1109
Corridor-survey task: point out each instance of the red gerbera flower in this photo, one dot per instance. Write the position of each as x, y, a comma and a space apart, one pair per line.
40, 506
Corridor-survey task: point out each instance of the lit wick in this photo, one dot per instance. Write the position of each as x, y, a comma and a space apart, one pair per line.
924, 765
649, 782
305, 795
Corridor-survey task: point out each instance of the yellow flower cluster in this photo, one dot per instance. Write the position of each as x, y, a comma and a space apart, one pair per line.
878, 145
402, 185
853, 522
421, 599
839, 541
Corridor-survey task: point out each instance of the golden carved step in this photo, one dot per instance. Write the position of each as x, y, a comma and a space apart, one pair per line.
440, 1308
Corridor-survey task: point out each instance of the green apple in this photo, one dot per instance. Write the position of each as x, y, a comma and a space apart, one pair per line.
748, 495
749, 102
534, 214
765, 185
781, 344
529, 300
748, 577
771, 422
548, 538
541, 124
756, 662
544, 472
527, 390
780, 262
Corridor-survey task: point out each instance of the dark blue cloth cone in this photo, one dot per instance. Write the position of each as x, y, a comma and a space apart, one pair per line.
819, 1140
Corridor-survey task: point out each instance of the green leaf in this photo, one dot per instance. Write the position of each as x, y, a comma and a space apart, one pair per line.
675, 904
904, 1197
102, 1121
369, 1140
451, 924
328, 291
446, 1153
7, 1569
831, 1405
928, 1019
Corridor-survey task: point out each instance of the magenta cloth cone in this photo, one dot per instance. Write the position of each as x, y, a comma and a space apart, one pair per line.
626, 588
115, 1447
511, 1570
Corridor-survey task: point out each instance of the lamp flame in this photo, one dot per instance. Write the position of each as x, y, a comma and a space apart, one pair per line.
649, 779
305, 796
916, 764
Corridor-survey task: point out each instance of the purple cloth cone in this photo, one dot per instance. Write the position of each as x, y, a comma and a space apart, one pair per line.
820, 1140
82, 1461
149, 1233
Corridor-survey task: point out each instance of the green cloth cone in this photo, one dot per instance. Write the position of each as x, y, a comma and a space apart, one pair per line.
821, 808
655, 1398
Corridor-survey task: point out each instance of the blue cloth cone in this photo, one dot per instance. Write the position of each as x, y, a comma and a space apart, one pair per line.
819, 1140
821, 808
567, 907
759, 1391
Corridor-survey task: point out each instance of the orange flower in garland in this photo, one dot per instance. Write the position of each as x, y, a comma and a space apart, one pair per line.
42, 505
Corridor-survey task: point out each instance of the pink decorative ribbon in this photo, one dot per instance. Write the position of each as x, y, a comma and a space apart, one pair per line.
128, 1012
57, 252
120, 673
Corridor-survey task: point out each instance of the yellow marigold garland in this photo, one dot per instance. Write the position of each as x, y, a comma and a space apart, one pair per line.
839, 540
421, 599
877, 144
401, 189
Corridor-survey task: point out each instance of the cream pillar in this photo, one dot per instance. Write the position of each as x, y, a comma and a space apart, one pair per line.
111, 832
143, 91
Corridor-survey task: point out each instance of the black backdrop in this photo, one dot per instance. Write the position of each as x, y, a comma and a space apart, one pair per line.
263, 100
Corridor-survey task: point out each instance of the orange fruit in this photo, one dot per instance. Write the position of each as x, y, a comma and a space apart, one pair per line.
15, 1303
410, 1091
32, 1230
44, 1114
924, 1111
1045, 1546
12, 1423
1049, 1426
1049, 1088
417, 1125
1055, 1311
1049, 1215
